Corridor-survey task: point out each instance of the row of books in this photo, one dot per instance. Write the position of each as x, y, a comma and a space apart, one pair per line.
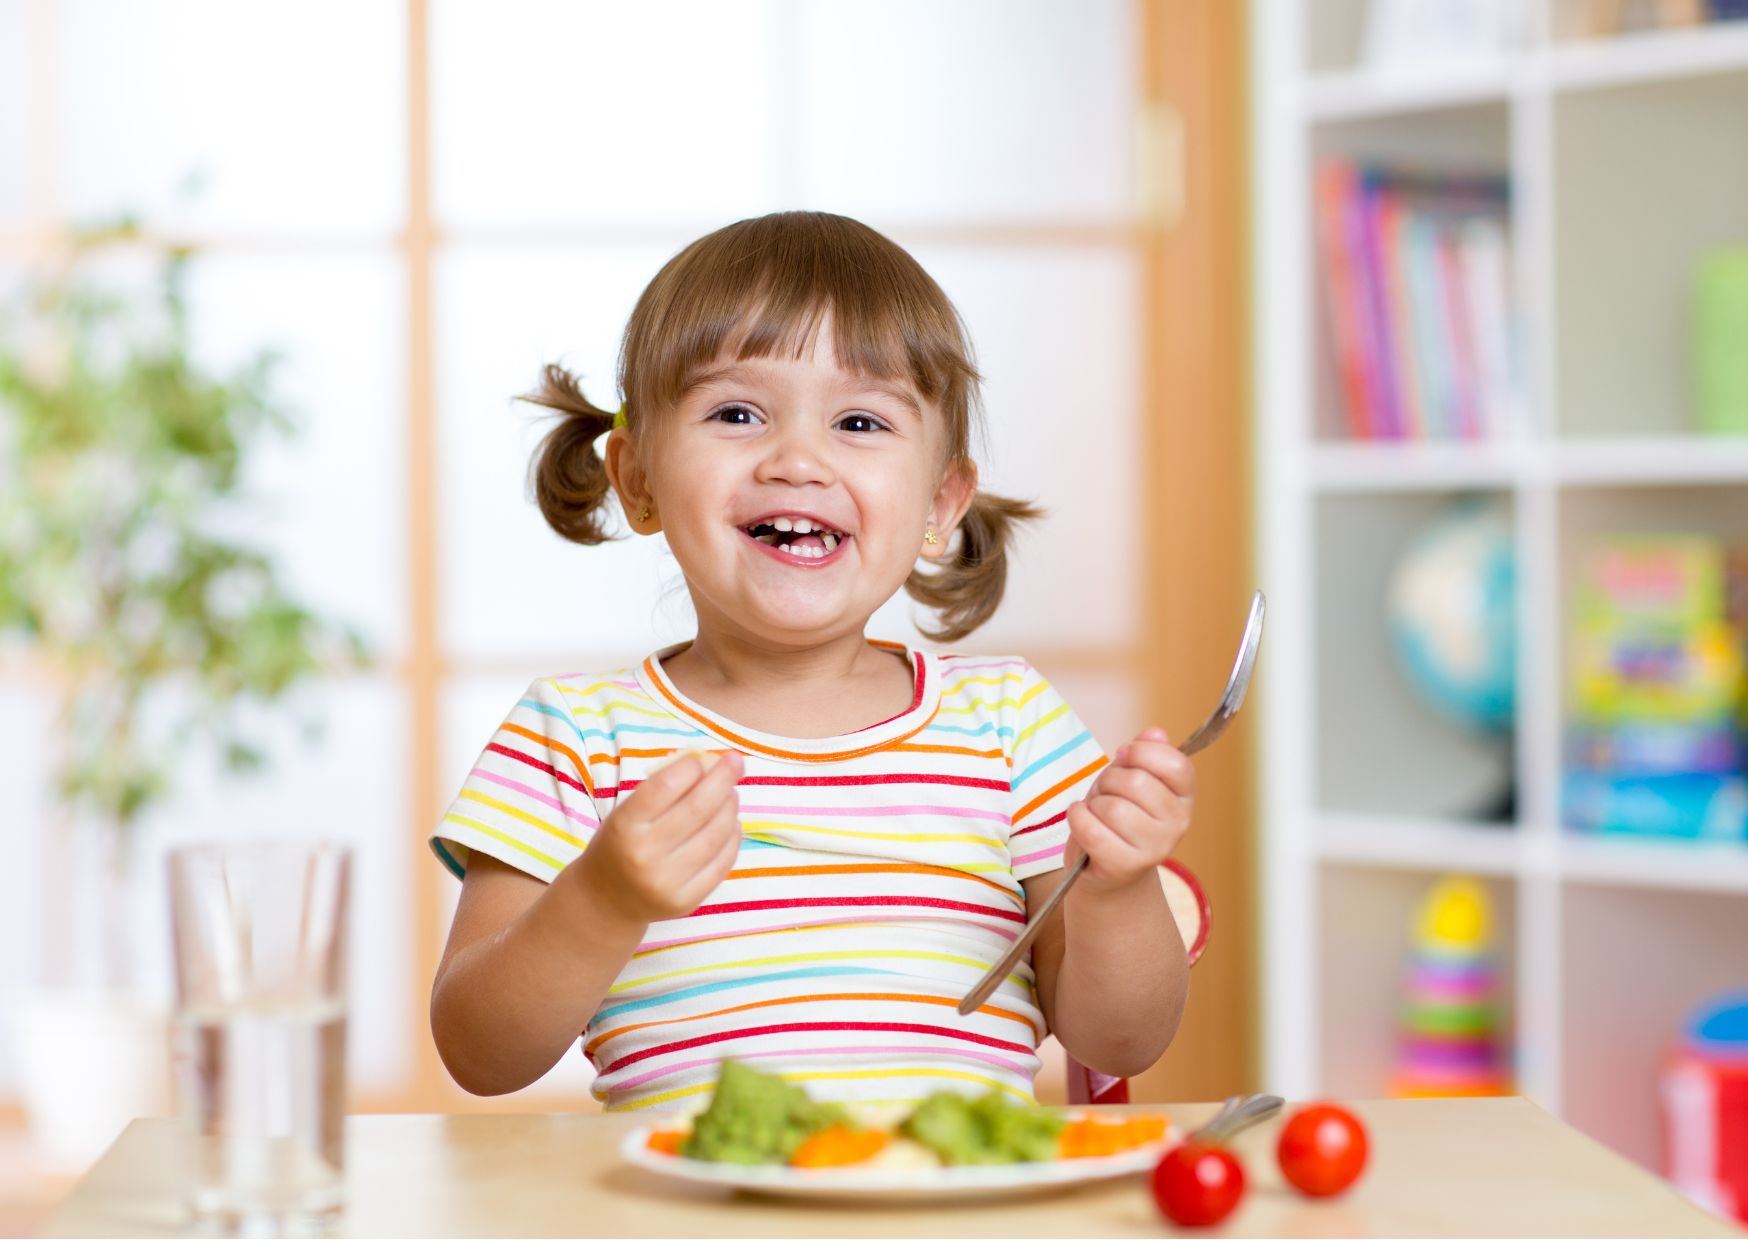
1418, 306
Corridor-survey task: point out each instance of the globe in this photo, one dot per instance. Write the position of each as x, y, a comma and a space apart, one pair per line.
1451, 607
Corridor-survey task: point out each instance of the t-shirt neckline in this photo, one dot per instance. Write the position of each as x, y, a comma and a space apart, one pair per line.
925, 700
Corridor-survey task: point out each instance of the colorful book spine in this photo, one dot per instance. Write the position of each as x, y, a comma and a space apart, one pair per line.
1340, 232
1486, 264
1374, 283
1426, 317
1460, 330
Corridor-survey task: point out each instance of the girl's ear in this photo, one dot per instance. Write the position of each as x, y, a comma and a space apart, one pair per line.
629, 483
952, 498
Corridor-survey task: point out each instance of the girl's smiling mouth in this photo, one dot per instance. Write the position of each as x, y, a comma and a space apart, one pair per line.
795, 539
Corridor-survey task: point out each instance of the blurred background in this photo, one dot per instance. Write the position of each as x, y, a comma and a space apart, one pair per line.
1428, 317
411, 205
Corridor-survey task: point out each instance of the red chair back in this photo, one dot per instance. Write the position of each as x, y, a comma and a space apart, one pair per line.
1189, 906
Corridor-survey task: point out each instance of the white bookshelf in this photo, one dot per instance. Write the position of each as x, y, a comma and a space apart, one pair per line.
1626, 159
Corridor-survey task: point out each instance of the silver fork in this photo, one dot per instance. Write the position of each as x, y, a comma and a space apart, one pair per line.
1201, 738
1235, 1116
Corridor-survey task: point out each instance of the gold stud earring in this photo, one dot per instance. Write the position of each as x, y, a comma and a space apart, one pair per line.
930, 537
643, 513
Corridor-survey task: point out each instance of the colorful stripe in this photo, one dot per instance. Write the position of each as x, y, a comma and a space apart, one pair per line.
890, 861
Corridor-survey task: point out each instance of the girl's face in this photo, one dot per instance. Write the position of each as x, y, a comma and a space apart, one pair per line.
794, 494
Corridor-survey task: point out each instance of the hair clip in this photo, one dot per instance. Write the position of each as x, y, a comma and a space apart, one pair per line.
619, 417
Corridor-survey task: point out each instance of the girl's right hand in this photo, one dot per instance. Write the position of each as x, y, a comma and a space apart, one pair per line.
667, 845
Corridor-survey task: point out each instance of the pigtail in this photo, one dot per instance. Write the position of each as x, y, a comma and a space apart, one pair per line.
967, 587
568, 477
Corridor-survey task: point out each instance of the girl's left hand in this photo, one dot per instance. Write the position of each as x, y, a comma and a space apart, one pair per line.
1138, 810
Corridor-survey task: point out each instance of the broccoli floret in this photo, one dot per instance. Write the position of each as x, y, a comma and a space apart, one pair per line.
946, 1124
964, 1131
755, 1117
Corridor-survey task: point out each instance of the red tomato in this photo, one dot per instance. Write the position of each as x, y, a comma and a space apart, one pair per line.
1196, 1185
1322, 1149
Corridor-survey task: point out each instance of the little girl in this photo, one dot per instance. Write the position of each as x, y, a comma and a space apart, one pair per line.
783, 842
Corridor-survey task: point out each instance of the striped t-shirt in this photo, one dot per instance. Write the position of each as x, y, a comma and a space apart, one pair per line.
878, 878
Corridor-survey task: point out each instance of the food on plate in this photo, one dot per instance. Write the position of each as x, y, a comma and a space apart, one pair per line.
1092, 1137
840, 1146
1197, 1185
1322, 1149
965, 1131
755, 1118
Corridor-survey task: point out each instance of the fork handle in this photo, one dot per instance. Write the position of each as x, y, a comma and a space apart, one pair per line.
992, 979
1237, 1115
1016, 952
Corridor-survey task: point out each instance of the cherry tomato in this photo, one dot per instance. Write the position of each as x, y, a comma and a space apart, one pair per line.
1322, 1149
1196, 1185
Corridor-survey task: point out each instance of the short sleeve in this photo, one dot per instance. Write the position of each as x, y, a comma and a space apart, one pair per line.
528, 801
1055, 760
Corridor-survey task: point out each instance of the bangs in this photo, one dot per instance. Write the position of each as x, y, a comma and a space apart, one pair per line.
764, 288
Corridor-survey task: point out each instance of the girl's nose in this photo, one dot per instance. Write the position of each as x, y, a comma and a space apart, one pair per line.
796, 455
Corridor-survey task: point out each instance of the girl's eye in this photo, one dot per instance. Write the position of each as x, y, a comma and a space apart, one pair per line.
735, 415
862, 423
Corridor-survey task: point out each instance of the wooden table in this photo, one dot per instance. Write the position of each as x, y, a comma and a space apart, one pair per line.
1497, 1166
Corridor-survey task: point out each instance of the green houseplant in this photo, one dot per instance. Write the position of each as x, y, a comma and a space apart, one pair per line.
122, 463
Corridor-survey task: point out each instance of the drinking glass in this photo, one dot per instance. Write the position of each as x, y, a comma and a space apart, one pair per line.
259, 930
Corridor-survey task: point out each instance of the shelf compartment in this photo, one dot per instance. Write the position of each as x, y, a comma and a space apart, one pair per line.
1636, 964
1418, 207
1468, 137
1365, 937
1647, 179
1380, 749
1587, 517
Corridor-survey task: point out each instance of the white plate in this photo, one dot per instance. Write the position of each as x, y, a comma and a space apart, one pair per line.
891, 1184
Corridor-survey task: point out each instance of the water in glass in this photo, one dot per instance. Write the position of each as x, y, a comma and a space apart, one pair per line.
264, 1099
260, 932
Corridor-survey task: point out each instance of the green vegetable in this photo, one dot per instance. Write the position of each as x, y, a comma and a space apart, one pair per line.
755, 1117
988, 1129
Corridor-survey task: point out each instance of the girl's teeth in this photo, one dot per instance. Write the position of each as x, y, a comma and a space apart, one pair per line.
830, 541
784, 524
803, 525
806, 553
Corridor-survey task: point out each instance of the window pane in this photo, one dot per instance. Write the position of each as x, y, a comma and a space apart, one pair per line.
1056, 338
556, 113
25, 719
1110, 705
979, 109
332, 498
295, 111
348, 784
510, 586
16, 131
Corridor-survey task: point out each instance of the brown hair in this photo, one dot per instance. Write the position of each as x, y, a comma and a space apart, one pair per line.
761, 288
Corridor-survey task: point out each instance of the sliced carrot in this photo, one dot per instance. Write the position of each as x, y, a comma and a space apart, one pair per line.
666, 1140
839, 1146
1089, 1137
1144, 1129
